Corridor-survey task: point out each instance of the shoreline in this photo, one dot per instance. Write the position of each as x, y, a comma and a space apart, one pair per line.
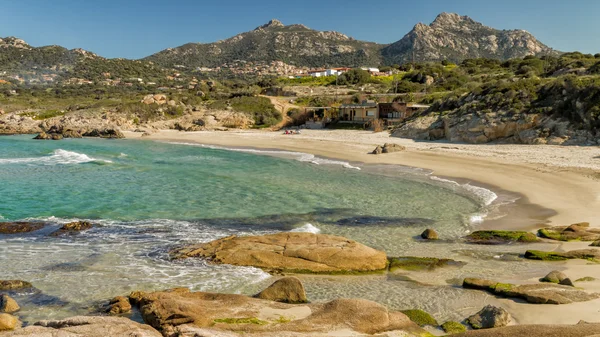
556, 195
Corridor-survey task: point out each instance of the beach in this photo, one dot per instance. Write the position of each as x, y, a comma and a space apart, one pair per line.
560, 184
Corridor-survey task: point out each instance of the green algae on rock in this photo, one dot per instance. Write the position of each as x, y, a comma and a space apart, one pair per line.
584, 254
452, 327
496, 237
420, 317
412, 263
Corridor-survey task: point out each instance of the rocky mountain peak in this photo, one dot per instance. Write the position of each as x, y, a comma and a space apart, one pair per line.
12, 41
271, 24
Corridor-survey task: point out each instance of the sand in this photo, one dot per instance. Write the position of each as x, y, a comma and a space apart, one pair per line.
556, 185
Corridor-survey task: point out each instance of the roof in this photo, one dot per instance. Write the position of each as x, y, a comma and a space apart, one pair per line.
418, 106
359, 106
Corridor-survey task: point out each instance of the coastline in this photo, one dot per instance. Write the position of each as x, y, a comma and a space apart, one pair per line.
557, 185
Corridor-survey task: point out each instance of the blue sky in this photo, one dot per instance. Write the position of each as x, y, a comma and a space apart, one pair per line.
136, 28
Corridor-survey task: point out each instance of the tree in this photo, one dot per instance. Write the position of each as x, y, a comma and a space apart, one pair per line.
355, 76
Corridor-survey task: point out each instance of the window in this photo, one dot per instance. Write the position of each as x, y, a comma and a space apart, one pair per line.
371, 113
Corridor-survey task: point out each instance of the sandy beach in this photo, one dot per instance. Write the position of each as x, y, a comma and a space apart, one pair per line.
560, 185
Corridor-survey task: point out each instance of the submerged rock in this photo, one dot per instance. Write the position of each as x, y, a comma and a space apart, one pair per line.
430, 234
290, 252
489, 317
9, 322
20, 227
286, 290
546, 293
584, 254
8, 304
14, 285
73, 228
494, 237
96, 326
184, 313
421, 263
576, 232
119, 305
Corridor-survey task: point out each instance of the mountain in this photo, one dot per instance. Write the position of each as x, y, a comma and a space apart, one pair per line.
455, 38
292, 44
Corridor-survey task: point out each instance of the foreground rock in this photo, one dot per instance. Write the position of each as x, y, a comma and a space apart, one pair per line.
584, 254
579, 330
430, 234
285, 290
290, 252
14, 285
119, 305
557, 277
8, 304
494, 237
546, 293
489, 317
183, 313
9, 322
576, 232
73, 228
86, 327
20, 227
388, 148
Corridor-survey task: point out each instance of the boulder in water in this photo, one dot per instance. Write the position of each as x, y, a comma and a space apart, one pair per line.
489, 317
20, 227
286, 290
14, 285
8, 304
119, 305
430, 234
496, 237
584, 254
575, 232
557, 277
73, 228
9, 322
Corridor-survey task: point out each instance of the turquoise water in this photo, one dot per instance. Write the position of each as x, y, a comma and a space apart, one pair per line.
148, 197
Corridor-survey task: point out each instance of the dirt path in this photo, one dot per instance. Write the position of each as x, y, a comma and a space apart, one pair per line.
283, 105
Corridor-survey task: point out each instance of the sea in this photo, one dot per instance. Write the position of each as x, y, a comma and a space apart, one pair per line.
148, 197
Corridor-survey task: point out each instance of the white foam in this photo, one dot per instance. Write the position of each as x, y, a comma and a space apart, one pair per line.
123, 155
477, 218
485, 196
308, 228
59, 156
299, 156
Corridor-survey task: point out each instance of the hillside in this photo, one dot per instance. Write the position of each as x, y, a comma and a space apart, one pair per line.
456, 38
293, 44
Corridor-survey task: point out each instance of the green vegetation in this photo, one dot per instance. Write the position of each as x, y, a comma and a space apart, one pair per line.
420, 263
586, 279
259, 108
544, 256
249, 320
497, 236
553, 235
420, 317
453, 327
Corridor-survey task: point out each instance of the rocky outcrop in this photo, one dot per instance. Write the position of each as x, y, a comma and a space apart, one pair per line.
583, 254
20, 227
430, 234
73, 228
83, 326
184, 313
119, 305
290, 252
159, 99
576, 232
546, 293
285, 290
579, 330
495, 237
8, 322
8, 304
104, 133
489, 317
14, 285
388, 148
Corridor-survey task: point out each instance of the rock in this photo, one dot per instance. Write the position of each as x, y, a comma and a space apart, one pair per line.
43, 136
82, 326
584, 254
411, 263
567, 282
430, 234
20, 227
489, 317
286, 290
452, 328
576, 232
578, 330
105, 133
8, 304
595, 244
420, 317
554, 277
494, 237
176, 312
586, 279
378, 150
73, 228
9, 322
546, 293
290, 252
391, 148
119, 305
14, 285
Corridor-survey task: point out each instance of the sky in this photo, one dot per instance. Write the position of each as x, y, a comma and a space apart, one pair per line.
139, 28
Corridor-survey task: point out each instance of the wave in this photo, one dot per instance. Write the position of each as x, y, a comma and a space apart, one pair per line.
483, 195
60, 156
299, 156
308, 228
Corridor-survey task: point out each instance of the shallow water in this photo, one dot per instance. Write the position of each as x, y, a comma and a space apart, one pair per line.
149, 197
